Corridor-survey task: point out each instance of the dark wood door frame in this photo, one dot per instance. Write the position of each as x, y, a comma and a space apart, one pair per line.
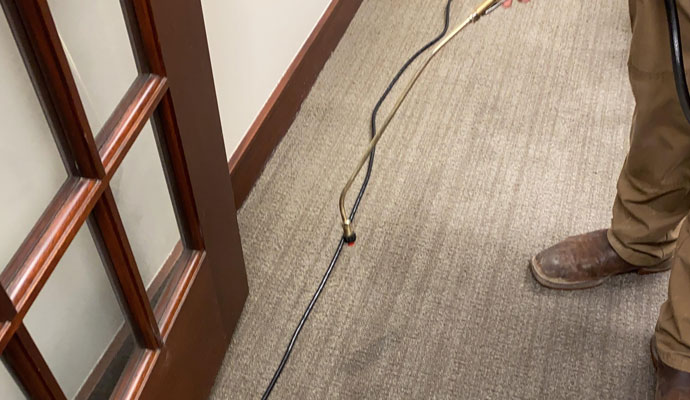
179, 32
183, 43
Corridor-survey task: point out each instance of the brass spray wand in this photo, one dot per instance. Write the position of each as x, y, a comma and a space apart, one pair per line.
484, 8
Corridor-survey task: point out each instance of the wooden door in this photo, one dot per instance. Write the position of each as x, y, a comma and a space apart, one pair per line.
181, 322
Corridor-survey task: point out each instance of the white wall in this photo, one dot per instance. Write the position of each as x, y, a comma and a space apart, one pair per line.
252, 43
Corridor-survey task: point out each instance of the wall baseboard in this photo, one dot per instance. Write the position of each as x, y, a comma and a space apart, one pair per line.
276, 117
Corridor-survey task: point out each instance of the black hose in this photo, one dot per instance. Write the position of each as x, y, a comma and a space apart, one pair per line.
677, 57
355, 206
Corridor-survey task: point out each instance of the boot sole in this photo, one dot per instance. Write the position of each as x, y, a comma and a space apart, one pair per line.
559, 284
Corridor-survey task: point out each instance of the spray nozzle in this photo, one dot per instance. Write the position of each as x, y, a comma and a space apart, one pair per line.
349, 235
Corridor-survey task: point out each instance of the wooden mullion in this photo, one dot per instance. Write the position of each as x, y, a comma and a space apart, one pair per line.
173, 295
39, 254
114, 141
123, 270
186, 268
134, 110
30, 267
48, 63
178, 176
30, 368
136, 373
22, 257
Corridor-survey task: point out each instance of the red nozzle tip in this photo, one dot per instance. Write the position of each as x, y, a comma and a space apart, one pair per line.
351, 244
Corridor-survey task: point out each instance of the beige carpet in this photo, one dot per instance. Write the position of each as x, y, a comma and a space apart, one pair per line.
513, 140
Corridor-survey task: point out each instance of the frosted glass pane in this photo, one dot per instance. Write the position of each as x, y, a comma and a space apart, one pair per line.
76, 316
31, 171
8, 386
95, 38
142, 197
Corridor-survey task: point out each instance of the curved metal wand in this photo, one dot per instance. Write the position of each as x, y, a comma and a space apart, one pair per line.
483, 9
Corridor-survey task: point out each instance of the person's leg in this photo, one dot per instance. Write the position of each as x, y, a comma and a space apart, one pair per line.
653, 198
654, 185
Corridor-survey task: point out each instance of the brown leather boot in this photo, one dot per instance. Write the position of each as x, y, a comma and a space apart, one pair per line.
584, 261
671, 384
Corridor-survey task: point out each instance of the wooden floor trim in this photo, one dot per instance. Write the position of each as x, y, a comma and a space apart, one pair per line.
276, 117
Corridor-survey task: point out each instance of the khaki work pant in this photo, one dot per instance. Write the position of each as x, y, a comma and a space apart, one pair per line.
654, 186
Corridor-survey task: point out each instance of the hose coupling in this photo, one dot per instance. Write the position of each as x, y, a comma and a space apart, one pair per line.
349, 235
